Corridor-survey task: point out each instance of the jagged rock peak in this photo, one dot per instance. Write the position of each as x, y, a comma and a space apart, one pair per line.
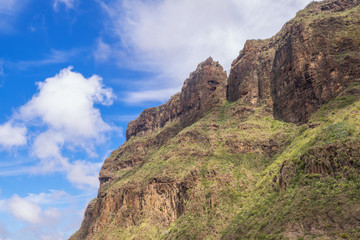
205, 88
208, 62
331, 5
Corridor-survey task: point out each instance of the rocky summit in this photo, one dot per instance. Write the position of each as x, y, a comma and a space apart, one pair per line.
270, 152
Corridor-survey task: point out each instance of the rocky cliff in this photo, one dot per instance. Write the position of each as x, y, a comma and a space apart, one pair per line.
205, 88
272, 152
310, 61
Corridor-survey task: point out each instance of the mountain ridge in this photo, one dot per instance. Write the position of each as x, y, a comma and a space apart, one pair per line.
228, 158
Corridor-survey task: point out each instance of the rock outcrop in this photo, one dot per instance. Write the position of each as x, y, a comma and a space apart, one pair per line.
310, 61
249, 77
159, 201
205, 88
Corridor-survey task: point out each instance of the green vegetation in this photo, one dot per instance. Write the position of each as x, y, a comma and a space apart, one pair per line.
257, 177
316, 201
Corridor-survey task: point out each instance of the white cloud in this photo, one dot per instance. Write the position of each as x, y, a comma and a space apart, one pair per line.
149, 95
171, 37
69, 4
11, 136
44, 148
31, 209
3, 231
61, 117
2, 205
47, 198
50, 215
65, 104
102, 51
84, 174
25, 210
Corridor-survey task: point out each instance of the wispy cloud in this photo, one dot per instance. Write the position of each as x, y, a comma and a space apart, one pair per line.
54, 57
170, 38
4, 234
102, 51
1, 67
68, 4
2, 74
9, 9
149, 95
122, 118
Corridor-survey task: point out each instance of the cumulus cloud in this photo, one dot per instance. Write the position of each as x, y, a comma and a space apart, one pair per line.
69, 4
170, 37
11, 136
61, 117
64, 105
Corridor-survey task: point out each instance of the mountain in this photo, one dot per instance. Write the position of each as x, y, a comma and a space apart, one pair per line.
271, 152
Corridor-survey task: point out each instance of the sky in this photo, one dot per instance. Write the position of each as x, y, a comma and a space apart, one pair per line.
73, 73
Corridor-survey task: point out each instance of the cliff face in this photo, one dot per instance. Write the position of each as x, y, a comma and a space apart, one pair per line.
204, 89
201, 167
249, 77
310, 61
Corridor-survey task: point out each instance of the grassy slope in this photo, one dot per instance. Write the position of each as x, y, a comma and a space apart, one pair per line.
316, 203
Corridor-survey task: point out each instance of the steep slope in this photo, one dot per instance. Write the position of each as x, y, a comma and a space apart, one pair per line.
201, 167
312, 190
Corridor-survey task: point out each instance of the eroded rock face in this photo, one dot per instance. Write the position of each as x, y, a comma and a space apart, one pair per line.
205, 88
249, 77
313, 65
159, 201
310, 61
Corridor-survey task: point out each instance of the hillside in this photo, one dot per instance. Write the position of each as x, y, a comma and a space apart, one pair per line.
271, 152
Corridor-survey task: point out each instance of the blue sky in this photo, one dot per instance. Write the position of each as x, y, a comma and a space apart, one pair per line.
73, 73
